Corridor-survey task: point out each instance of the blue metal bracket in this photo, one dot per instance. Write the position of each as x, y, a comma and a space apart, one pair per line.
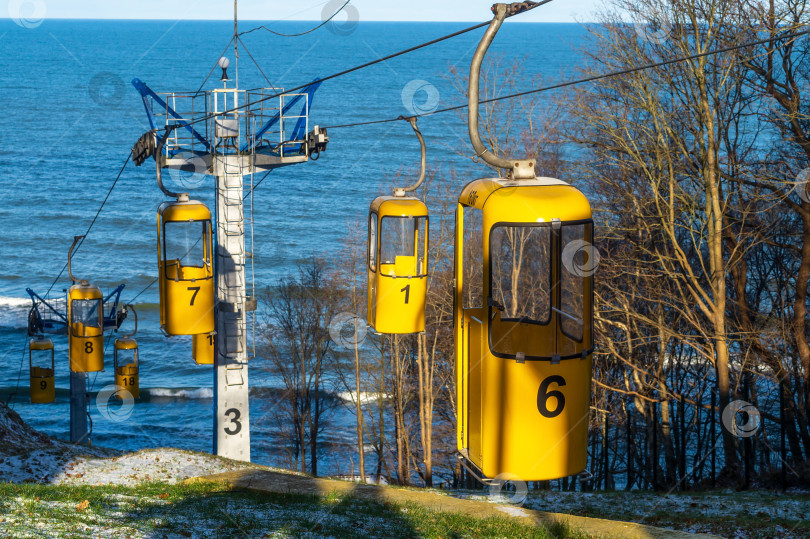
56, 322
145, 92
300, 127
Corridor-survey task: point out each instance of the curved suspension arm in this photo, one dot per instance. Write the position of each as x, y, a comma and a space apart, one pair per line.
402, 190
158, 150
501, 12
76, 239
128, 307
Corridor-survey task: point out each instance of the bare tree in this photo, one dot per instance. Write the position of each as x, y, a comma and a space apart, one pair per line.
294, 337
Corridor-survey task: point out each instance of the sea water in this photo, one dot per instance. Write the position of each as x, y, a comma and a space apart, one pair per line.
69, 117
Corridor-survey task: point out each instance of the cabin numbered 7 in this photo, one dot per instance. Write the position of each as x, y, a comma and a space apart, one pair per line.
185, 267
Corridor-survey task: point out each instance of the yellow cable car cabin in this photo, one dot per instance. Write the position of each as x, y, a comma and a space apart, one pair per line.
185, 267
86, 318
41, 370
523, 327
397, 264
127, 366
202, 348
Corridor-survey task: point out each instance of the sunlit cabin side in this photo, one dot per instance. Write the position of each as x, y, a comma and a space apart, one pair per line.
202, 348
397, 264
185, 270
523, 327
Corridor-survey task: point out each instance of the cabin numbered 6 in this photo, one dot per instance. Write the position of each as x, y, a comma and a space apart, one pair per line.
524, 342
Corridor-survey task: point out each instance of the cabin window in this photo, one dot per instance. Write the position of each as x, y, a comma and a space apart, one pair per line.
372, 241
87, 312
185, 243
541, 290
473, 258
521, 273
402, 245
577, 266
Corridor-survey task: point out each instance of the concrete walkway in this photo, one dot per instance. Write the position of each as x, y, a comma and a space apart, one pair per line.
267, 481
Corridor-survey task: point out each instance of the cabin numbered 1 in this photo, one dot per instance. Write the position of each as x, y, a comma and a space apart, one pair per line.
397, 265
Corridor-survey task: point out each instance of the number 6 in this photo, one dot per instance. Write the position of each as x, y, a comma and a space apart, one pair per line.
543, 394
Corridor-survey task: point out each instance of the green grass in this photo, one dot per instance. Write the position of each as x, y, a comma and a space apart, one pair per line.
208, 510
722, 513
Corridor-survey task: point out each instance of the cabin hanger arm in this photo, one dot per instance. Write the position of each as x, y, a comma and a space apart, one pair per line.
520, 169
400, 191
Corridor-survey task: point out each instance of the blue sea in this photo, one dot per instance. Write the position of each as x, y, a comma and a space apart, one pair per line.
70, 117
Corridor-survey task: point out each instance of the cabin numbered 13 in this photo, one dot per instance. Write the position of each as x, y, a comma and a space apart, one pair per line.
202, 348
185, 267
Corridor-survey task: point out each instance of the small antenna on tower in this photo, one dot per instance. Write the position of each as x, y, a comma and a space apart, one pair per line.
235, 43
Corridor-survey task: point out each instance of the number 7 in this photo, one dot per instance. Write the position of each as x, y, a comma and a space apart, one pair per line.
196, 290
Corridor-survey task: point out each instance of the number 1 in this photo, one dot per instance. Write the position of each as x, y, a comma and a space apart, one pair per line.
407, 291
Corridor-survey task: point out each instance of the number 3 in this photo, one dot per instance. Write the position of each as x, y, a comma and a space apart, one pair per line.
234, 420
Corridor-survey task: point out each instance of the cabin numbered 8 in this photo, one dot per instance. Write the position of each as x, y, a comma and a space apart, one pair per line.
85, 314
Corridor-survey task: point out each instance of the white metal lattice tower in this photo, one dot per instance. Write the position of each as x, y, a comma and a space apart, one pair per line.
245, 132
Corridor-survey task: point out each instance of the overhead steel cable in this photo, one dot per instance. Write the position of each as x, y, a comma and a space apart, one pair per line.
582, 81
95, 218
263, 27
517, 8
254, 62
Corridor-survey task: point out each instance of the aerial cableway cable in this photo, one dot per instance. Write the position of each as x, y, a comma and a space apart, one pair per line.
585, 80
516, 9
327, 21
93, 222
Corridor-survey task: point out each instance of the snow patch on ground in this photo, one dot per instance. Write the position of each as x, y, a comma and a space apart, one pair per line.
725, 512
70, 465
164, 465
512, 511
28, 456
